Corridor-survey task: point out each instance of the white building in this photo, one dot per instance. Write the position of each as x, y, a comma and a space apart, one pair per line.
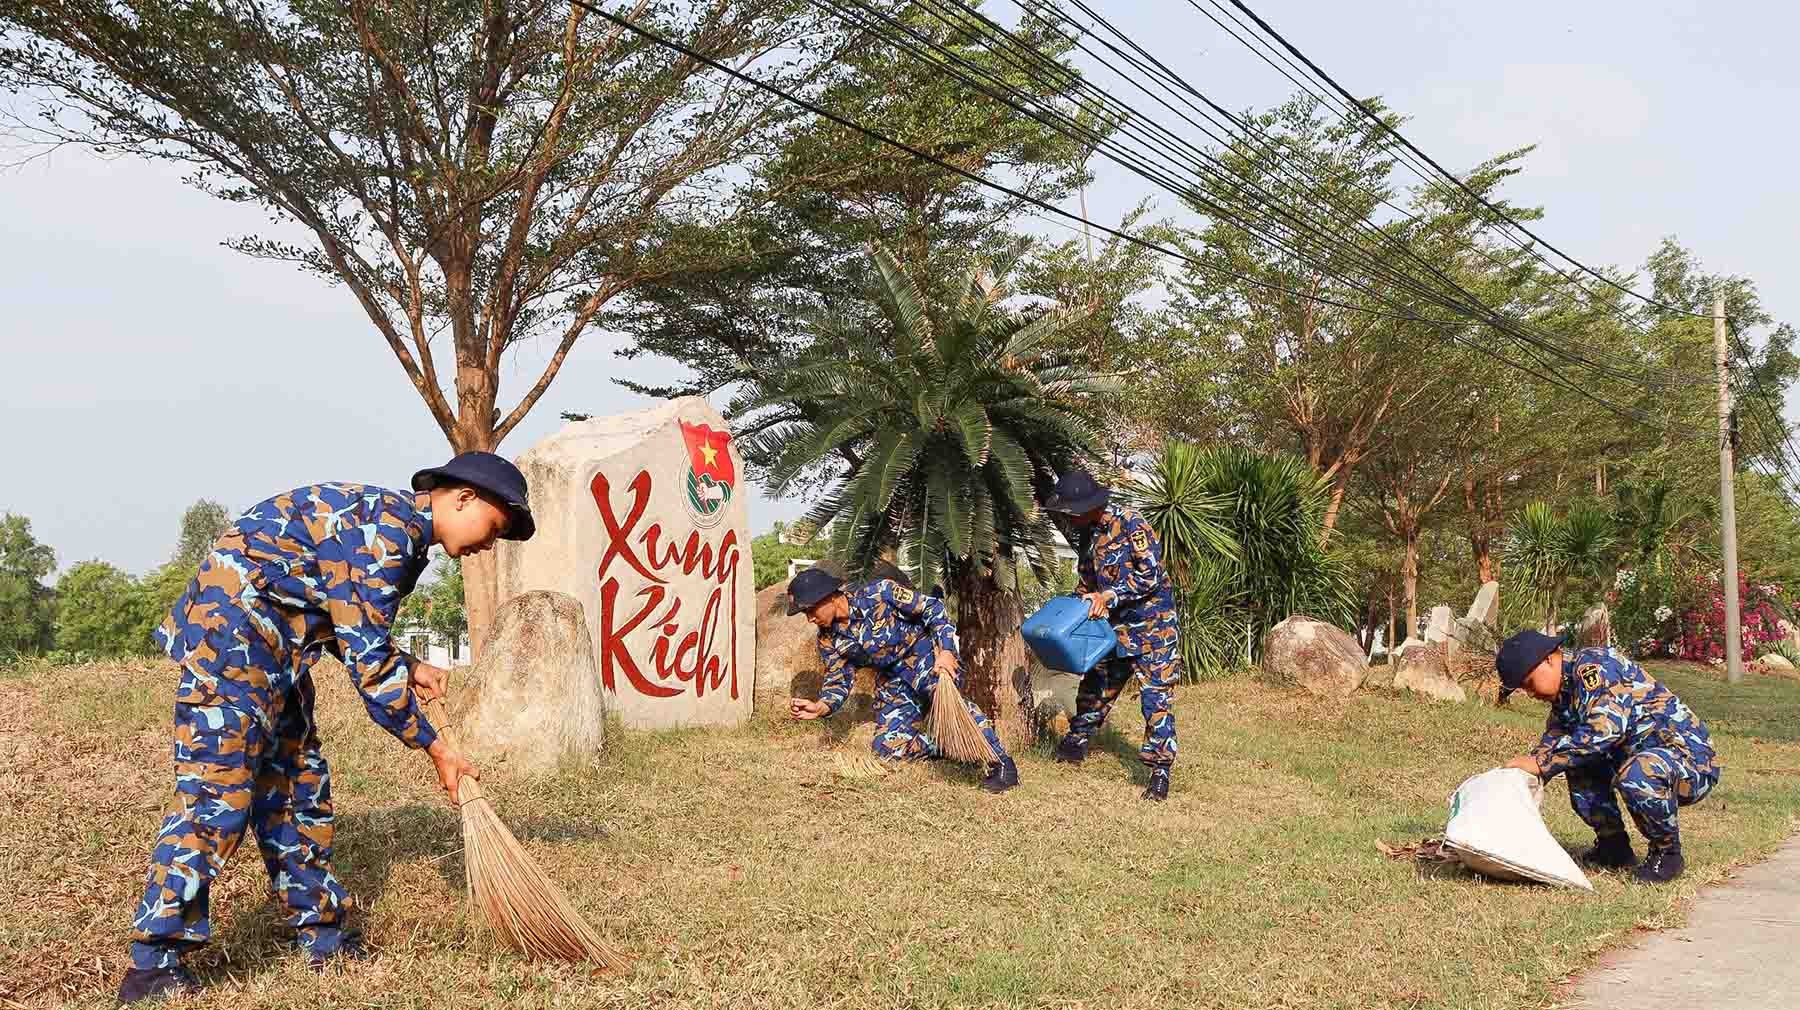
432, 649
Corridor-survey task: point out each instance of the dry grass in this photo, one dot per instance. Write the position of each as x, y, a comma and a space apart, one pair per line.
769, 867
523, 906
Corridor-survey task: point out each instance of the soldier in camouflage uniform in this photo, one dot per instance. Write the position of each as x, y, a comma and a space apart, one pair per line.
1613, 727
1123, 580
321, 569
909, 640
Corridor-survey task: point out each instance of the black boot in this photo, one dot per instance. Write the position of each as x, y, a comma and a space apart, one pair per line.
1158, 789
1071, 750
149, 983
350, 948
1002, 775
1613, 852
1661, 866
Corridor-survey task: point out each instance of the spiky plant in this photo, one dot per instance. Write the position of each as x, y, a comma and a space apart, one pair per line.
1240, 533
1546, 552
939, 429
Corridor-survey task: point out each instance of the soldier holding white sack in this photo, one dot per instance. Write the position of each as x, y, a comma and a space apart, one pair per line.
1613, 727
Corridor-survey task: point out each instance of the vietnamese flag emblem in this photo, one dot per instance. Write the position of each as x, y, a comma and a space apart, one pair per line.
710, 473
708, 453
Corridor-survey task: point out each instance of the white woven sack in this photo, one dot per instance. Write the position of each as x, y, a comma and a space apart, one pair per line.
1495, 829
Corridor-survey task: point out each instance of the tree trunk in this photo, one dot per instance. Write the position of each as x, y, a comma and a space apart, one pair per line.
1409, 573
1340, 483
1393, 622
481, 572
993, 656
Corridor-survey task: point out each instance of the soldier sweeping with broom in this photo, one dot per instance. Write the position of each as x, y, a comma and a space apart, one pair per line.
318, 569
909, 640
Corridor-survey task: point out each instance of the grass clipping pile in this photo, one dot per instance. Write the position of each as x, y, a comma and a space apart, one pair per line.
522, 905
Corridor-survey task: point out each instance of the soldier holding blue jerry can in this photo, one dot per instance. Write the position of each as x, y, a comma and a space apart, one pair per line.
1123, 582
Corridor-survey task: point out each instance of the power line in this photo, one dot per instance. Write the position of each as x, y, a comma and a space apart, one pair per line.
1257, 48
1446, 173
1460, 301
1775, 414
815, 109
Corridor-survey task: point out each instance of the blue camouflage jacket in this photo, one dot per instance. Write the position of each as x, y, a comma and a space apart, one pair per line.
318, 569
891, 628
1122, 556
1609, 708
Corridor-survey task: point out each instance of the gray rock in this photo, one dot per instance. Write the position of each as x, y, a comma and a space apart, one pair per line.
1321, 658
1486, 608
1423, 669
534, 697
1437, 630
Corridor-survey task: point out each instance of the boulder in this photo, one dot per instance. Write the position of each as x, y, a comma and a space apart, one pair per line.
1776, 665
641, 517
1437, 629
1321, 658
1423, 669
1486, 608
787, 658
535, 697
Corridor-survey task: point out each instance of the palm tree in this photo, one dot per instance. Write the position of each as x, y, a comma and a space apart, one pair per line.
1547, 552
940, 429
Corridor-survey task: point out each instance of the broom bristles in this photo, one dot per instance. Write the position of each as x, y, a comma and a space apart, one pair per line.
953, 726
522, 905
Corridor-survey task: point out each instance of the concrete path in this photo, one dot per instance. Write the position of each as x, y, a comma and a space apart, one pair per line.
1740, 950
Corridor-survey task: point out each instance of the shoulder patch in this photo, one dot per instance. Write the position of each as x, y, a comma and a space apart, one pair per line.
903, 595
1140, 540
1593, 677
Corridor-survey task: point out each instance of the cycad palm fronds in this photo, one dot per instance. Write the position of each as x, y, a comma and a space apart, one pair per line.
949, 423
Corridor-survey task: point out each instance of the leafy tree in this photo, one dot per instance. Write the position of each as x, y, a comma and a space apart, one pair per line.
156, 596
832, 191
98, 611
943, 426
201, 525
27, 609
498, 173
1124, 332
439, 608
769, 557
1273, 331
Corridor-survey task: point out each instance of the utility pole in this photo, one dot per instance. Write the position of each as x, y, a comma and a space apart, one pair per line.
1734, 658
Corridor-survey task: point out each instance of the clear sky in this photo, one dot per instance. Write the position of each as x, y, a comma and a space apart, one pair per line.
146, 366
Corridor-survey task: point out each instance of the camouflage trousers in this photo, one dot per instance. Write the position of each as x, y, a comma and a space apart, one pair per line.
235, 771
901, 703
1100, 687
1655, 783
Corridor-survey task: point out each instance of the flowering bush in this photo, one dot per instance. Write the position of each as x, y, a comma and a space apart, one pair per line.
1699, 632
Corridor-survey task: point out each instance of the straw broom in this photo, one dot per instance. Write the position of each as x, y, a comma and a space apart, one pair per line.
522, 905
953, 725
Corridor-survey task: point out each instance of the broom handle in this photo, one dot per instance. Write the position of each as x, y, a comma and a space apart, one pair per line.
468, 790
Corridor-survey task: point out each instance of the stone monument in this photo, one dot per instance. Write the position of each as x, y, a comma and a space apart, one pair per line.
641, 518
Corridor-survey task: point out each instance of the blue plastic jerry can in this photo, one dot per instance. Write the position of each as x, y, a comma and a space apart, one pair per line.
1064, 637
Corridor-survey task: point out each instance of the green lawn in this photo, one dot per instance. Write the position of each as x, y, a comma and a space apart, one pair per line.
749, 869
